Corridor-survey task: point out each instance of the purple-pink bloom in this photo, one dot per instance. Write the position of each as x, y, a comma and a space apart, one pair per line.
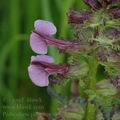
41, 37
42, 66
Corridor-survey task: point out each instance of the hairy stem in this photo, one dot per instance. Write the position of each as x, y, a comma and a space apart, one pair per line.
91, 108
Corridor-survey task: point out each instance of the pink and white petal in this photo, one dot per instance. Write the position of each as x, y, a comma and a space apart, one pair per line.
38, 76
38, 44
45, 27
44, 58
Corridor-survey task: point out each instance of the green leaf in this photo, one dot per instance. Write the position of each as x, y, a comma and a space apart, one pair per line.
105, 88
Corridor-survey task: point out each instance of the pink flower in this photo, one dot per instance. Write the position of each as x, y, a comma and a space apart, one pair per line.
41, 38
42, 66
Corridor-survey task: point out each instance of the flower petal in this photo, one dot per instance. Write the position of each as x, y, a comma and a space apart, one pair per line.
38, 76
37, 44
44, 58
45, 27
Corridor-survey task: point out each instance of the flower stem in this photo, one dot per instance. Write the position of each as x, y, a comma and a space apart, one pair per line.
91, 107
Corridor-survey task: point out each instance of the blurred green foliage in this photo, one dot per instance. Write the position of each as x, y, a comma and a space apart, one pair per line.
16, 21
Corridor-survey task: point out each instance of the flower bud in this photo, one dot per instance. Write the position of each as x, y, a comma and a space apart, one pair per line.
76, 17
94, 4
98, 4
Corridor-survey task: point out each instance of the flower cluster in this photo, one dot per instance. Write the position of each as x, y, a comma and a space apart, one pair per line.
81, 16
42, 65
98, 4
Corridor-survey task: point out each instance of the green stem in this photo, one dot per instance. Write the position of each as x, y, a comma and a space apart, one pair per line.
91, 108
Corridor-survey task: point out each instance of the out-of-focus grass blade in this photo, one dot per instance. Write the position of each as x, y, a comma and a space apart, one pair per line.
80, 4
5, 52
64, 24
45, 8
30, 14
14, 30
59, 4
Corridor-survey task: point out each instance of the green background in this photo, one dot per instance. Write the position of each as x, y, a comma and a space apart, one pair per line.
18, 95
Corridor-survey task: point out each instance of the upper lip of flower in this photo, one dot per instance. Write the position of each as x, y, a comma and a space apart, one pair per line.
59, 43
